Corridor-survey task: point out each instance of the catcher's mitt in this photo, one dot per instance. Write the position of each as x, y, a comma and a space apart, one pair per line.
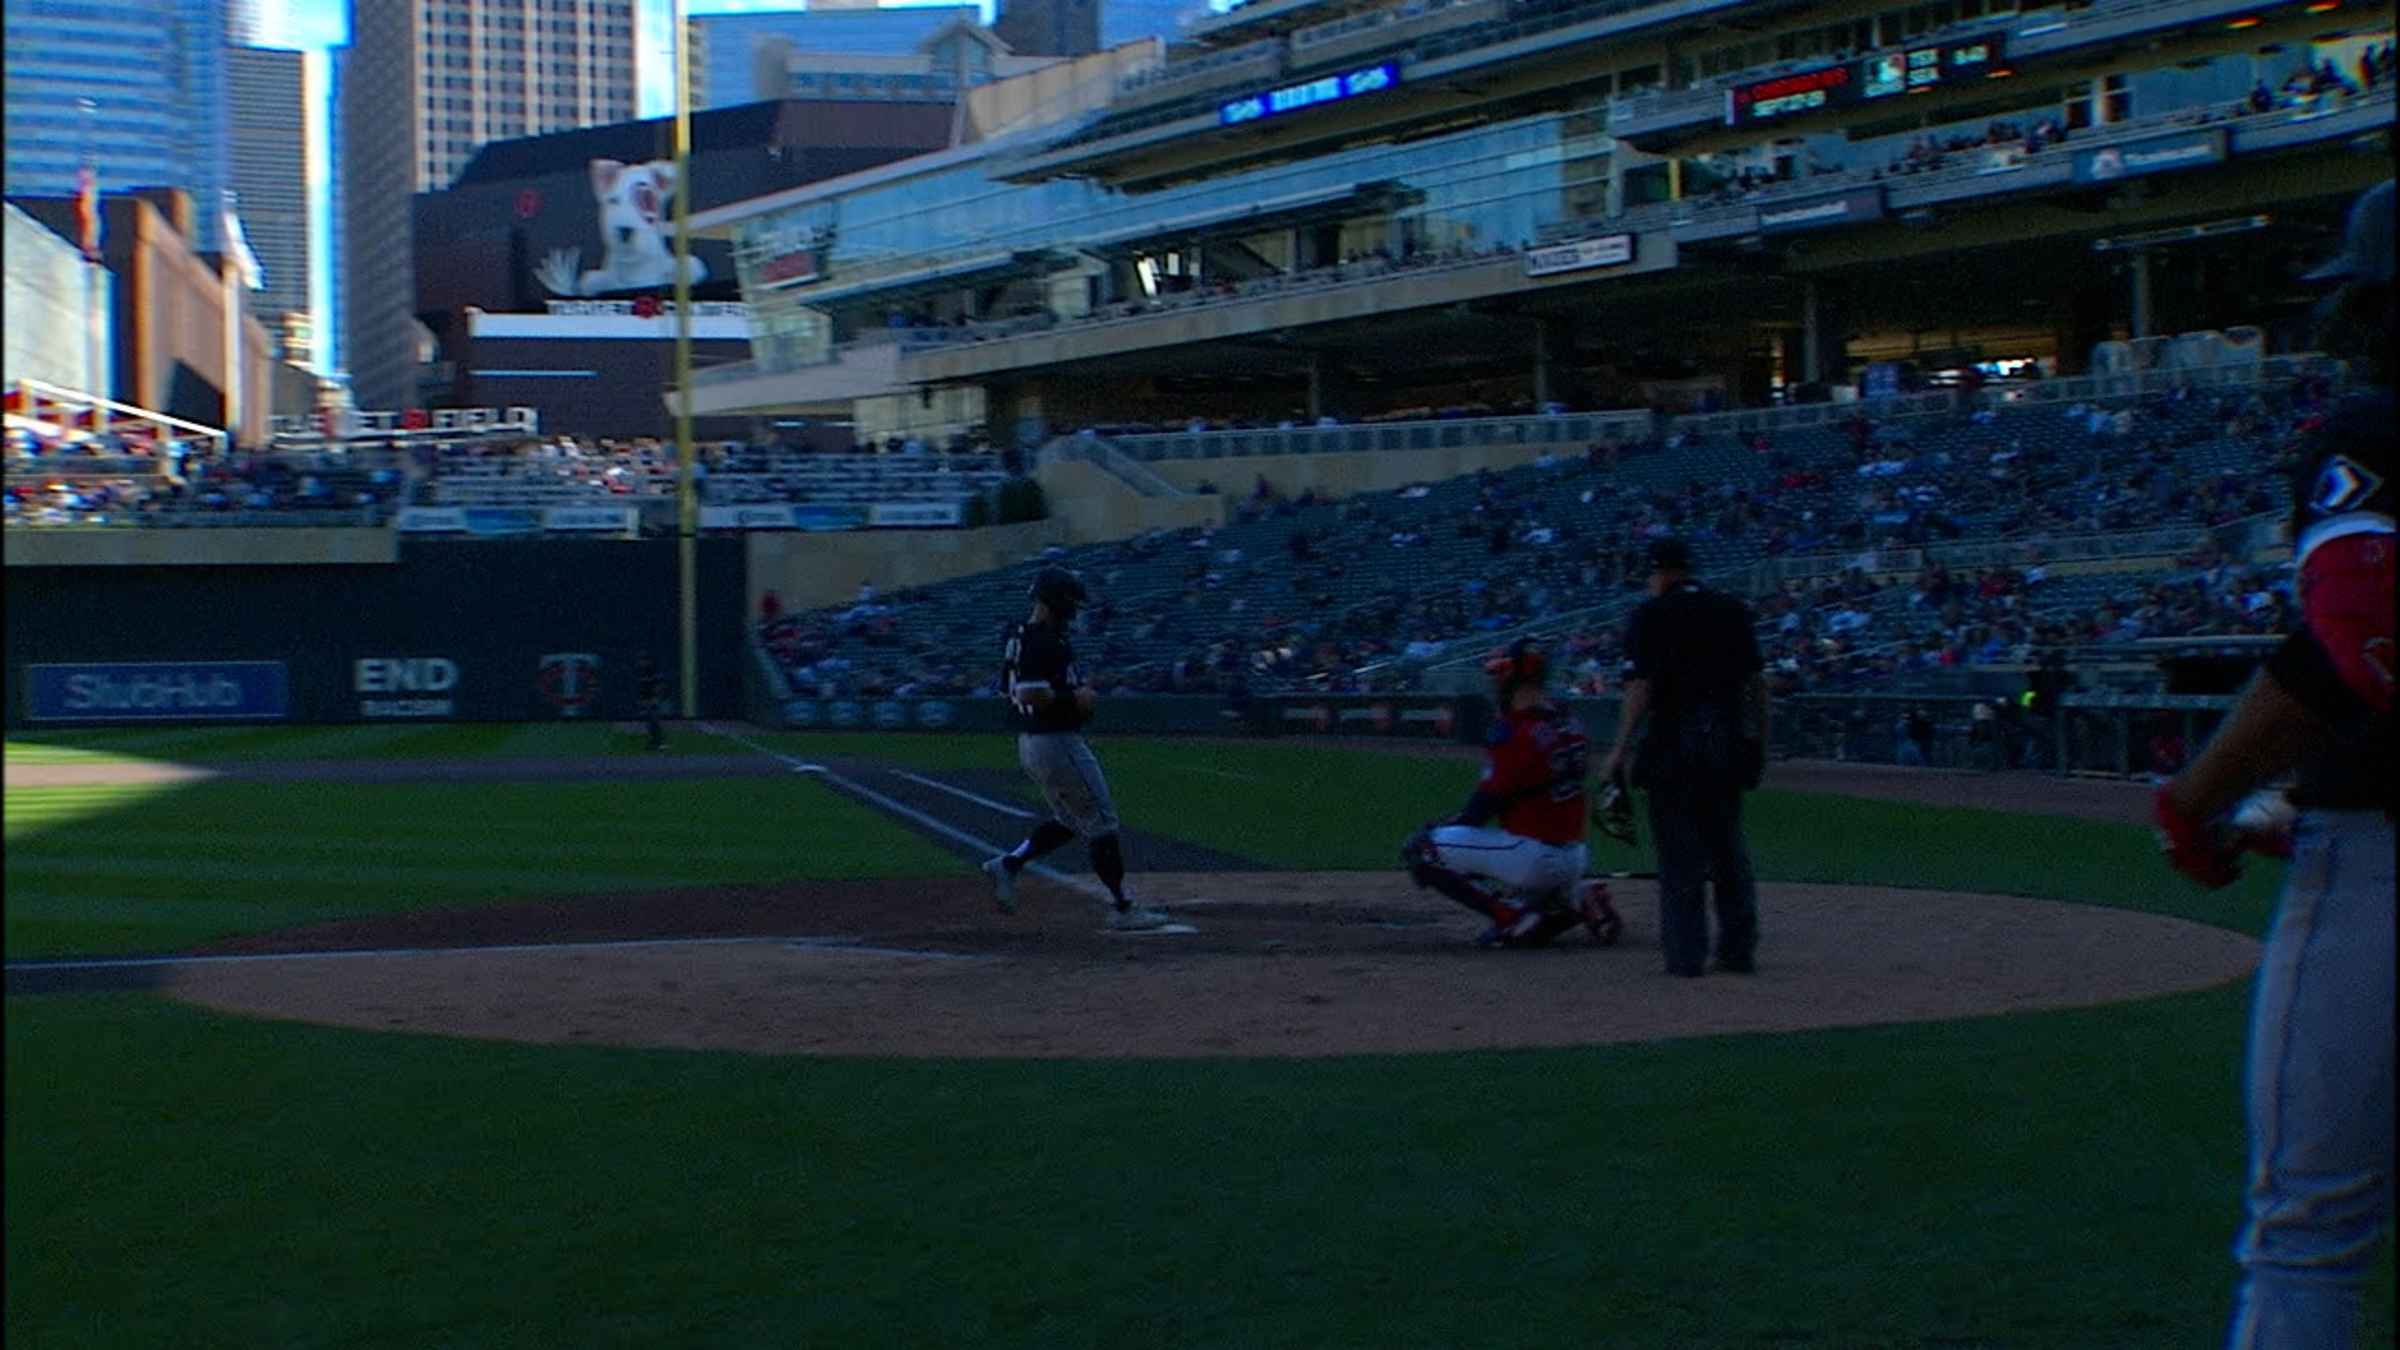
1612, 812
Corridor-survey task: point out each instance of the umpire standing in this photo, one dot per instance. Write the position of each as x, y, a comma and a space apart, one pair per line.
1696, 693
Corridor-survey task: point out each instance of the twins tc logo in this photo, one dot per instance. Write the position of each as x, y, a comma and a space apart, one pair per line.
2344, 485
570, 681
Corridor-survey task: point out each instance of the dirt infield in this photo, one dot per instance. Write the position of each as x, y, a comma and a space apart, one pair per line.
1283, 964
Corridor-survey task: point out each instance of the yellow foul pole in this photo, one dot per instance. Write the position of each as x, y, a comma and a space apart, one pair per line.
687, 495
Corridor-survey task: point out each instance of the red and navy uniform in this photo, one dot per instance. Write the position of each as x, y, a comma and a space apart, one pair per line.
1534, 764
2340, 661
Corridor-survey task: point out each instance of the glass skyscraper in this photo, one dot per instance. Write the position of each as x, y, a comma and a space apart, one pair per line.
155, 73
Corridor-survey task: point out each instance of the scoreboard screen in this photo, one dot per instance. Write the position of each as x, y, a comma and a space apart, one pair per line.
1904, 70
1930, 67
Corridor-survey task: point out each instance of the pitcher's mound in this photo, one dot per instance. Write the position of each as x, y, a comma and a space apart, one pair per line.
1282, 964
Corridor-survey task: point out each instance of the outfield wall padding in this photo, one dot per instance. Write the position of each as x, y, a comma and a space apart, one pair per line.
455, 630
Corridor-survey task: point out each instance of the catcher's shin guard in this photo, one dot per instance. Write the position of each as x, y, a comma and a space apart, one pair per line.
1425, 869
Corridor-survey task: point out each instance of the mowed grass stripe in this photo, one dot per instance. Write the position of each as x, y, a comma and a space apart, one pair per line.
214, 847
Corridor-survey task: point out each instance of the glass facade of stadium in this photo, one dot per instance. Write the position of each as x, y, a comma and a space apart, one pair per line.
1481, 188
947, 240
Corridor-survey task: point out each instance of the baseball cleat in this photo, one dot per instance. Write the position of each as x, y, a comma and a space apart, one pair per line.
1139, 919
1004, 884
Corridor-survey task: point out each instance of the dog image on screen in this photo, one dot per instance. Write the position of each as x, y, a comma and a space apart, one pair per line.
635, 253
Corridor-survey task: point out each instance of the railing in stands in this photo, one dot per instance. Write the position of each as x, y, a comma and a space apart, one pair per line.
1549, 429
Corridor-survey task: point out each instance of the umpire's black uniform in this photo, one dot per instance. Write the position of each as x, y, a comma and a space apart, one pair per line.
1696, 683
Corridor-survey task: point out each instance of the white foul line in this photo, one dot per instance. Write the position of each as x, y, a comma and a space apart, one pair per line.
962, 794
907, 812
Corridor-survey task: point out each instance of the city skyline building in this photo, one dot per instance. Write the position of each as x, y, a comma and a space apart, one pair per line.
334, 353
1049, 27
423, 87
269, 123
725, 48
1123, 21
153, 72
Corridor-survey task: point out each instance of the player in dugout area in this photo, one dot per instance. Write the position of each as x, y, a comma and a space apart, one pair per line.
2318, 1198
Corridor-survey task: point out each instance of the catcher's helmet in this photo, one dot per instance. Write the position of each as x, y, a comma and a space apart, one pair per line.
1520, 662
1061, 590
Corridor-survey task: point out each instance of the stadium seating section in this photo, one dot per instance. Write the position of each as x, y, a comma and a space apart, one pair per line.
1369, 592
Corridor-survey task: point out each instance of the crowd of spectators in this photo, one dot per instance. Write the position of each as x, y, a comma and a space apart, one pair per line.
132, 477
2005, 142
1201, 611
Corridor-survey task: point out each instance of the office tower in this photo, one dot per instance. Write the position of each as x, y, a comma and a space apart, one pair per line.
425, 84
268, 127
153, 72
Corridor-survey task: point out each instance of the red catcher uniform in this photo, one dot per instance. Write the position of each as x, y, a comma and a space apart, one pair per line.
1534, 767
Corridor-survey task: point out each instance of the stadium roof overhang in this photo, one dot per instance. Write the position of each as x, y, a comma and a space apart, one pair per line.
1269, 18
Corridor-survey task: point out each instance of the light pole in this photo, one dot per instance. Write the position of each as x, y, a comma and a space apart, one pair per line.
91, 270
687, 504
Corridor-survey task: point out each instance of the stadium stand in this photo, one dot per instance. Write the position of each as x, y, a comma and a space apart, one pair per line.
1371, 592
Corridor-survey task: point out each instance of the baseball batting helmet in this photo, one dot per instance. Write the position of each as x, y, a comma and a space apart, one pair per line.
1520, 662
1061, 591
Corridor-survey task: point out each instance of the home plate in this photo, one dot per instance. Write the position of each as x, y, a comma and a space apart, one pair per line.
1169, 931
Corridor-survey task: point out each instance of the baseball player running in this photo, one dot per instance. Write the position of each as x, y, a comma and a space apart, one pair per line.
2319, 1086
1052, 704
1516, 854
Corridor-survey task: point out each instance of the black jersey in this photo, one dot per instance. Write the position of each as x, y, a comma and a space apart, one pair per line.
1038, 656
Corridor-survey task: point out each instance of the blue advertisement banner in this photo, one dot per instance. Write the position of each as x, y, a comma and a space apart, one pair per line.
2159, 154
808, 517
498, 520
180, 691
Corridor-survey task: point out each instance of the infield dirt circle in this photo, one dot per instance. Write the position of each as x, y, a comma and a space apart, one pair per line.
1283, 964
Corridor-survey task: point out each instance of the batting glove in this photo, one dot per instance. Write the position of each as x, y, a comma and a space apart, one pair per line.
2206, 853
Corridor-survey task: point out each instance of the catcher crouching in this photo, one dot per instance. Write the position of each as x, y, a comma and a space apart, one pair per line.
1515, 854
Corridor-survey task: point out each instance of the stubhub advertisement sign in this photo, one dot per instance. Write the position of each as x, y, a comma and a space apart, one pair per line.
180, 691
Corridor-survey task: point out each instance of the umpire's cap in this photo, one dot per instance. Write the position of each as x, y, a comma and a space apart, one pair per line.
1669, 554
1061, 590
2366, 241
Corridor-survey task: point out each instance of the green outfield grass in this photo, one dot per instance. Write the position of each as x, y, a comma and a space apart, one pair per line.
2064, 1179
148, 868
398, 740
